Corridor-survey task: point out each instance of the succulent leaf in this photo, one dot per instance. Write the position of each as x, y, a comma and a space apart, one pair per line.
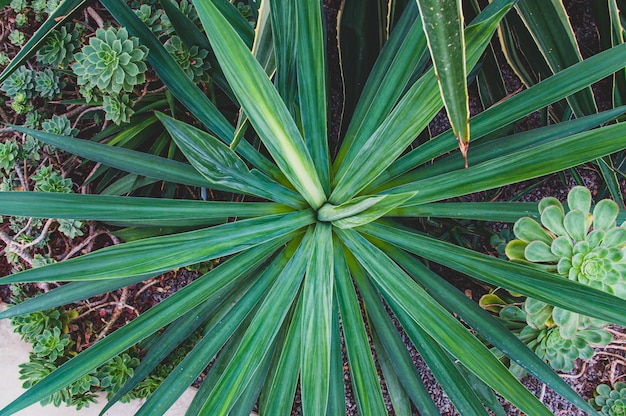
527, 229
579, 199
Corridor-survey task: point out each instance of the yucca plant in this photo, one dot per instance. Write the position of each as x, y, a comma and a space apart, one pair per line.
324, 246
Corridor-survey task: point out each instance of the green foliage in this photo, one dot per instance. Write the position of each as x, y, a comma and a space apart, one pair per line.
58, 49
47, 84
48, 179
150, 17
70, 228
59, 125
191, 60
17, 37
118, 108
50, 344
22, 81
112, 62
282, 304
115, 372
610, 402
4, 59
8, 155
18, 5
21, 20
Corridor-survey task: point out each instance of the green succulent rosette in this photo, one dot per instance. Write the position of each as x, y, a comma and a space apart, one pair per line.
609, 401
113, 62
582, 246
562, 353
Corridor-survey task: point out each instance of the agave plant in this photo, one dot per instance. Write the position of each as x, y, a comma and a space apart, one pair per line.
317, 255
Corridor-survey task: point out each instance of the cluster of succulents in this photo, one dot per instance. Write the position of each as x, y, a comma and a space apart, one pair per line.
579, 244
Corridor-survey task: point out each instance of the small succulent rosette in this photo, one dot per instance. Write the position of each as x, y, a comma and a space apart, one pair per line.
609, 401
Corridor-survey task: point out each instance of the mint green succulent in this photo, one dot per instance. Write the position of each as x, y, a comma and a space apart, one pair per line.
59, 125
18, 5
47, 179
20, 103
116, 371
58, 49
39, 6
151, 18
611, 402
4, 59
9, 151
560, 352
582, 246
17, 38
191, 60
70, 228
545, 338
188, 9
21, 20
48, 84
20, 81
51, 344
117, 108
113, 62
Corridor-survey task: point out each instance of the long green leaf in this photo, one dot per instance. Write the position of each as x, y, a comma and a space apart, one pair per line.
550, 27
488, 149
403, 54
262, 104
146, 324
229, 315
442, 365
394, 346
481, 211
159, 254
404, 123
219, 164
398, 287
130, 210
260, 336
311, 69
57, 18
366, 385
517, 278
485, 324
336, 391
538, 96
183, 88
124, 159
277, 397
443, 25
317, 298
519, 166
71, 292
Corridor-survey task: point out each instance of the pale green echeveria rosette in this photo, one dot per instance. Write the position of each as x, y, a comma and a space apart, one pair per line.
112, 62
609, 401
582, 246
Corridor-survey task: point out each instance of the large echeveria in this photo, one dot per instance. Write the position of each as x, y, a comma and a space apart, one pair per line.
582, 246
112, 62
